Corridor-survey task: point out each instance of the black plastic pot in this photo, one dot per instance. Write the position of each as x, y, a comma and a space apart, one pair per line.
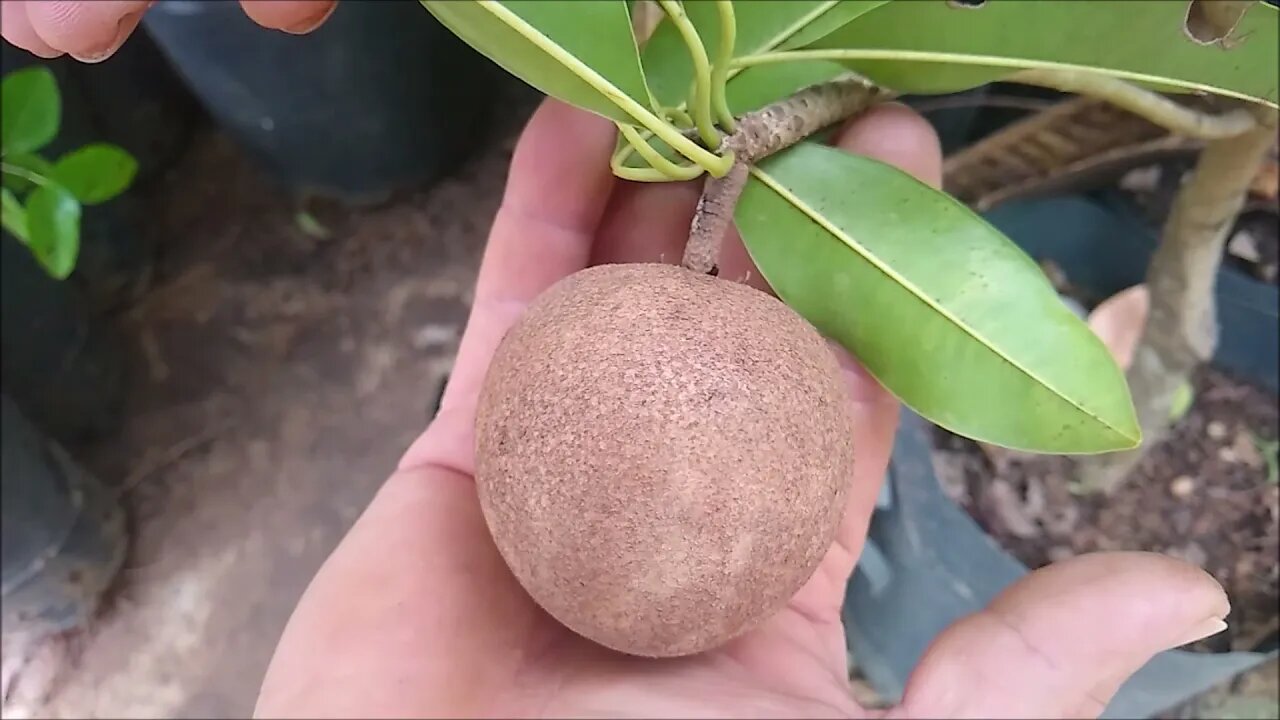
64, 535
379, 97
1104, 246
134, 100
927, 563
64, 366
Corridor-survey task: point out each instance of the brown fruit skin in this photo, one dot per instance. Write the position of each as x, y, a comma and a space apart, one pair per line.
662, 456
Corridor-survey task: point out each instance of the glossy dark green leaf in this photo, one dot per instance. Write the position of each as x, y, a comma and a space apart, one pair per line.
946, 312
580, 51
13, 216
953, 48
95, 173
53, 229
25, 161
30, 110
762, 26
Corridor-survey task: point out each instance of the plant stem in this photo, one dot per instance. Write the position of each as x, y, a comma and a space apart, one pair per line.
1139, 101
1181, 330
665, 168
720, 70
713, 163
701, 72
760, 134
25, 174
712, 218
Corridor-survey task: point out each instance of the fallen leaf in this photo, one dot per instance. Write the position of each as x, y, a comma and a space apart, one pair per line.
1010, 511
1182, 486
1118, 322
1246, 451
1216, 430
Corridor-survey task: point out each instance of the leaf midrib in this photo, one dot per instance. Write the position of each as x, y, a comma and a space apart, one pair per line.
570, 61
889, 272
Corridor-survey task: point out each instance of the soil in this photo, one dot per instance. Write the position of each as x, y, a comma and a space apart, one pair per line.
281, 362
1208, 494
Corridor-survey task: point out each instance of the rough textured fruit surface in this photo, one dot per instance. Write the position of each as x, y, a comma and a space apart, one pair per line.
662, 456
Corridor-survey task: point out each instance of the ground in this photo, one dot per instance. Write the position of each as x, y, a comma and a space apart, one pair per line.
279, 377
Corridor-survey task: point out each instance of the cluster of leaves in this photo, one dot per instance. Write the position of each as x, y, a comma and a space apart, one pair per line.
944, 310
47, 220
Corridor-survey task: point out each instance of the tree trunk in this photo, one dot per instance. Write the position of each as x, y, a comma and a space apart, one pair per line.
1181, 330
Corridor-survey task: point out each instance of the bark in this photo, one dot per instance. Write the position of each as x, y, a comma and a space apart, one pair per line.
760, 134
1181, 330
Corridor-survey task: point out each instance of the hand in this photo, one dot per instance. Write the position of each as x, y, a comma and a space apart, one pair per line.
415, 613
92, 30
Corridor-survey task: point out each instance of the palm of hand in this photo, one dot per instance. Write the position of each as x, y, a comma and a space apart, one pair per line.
416, 613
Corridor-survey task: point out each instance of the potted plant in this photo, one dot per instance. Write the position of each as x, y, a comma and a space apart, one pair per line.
134, 101
60, 366
938, 304
64, 534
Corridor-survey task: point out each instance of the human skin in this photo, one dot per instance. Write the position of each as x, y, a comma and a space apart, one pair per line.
92, 30
416, 614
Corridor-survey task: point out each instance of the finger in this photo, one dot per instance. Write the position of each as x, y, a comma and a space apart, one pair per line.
1061, 641
415, 614
896, 135
88, 30
292, 16
556, 192
17, 30
646, 222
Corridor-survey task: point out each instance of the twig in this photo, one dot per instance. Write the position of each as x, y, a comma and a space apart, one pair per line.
167, 458
1181, 330
760, 134
712, 217
1150, 105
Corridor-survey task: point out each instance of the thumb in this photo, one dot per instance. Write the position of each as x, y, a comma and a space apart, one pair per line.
1062, 640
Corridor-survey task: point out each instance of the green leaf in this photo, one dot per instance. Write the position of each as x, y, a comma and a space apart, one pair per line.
940, 47
30, 110
53, 226
95, 173
583, 53
758, 86
946, 312
835, 17
13, 216
762, 26
27, 161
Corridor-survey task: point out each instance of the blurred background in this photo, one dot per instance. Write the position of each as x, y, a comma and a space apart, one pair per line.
261, 323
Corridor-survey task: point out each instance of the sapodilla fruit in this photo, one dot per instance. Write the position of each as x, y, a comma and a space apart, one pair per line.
662, 456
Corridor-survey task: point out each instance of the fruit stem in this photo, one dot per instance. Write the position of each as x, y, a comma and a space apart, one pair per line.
760, 134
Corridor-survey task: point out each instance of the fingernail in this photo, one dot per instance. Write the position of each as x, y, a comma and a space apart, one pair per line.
305, 26
1206, 628
124, 28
